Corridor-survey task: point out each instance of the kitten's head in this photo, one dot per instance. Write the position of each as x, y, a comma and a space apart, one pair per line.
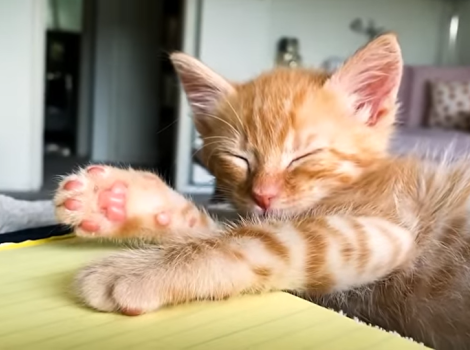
290, 137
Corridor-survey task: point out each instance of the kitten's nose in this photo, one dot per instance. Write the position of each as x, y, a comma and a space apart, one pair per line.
264, 196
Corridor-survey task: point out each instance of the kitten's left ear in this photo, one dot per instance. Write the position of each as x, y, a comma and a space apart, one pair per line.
370, 79
204, 88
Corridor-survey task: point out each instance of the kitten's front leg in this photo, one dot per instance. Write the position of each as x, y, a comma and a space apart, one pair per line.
317, 256
108, 202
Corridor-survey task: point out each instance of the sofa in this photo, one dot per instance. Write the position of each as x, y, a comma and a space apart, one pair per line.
413, 134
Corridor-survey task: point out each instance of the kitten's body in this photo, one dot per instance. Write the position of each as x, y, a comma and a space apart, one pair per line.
385, 239
429, 299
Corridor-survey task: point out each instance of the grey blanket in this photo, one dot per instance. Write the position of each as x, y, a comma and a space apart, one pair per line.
18, 214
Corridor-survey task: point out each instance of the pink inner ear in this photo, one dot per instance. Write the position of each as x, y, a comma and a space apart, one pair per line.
204, 88
201, 95
372, 77
374, 96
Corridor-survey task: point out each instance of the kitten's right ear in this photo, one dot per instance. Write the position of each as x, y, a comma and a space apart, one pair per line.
204, 88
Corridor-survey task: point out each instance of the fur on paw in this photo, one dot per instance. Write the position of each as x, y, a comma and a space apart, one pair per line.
105, 201
121, 283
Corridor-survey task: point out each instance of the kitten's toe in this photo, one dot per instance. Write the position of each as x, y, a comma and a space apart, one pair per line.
136, 295
93, 201
120, 283
94, 285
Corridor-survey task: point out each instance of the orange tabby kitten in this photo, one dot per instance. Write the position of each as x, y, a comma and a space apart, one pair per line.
343, 223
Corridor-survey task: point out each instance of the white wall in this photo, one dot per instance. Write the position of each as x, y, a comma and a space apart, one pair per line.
22, 53
235, 37
247, 31
238, 39
322, 26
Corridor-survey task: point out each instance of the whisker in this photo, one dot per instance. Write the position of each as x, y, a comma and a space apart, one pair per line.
210, 156
204, 146
225, 122
224, 138
234, 111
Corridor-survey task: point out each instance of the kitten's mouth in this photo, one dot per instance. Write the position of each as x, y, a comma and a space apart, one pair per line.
257, 211
265, 213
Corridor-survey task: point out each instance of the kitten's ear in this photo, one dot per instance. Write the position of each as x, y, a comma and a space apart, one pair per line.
204, 88
370, 79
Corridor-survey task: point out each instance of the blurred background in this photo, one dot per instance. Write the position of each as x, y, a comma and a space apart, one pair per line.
89, 80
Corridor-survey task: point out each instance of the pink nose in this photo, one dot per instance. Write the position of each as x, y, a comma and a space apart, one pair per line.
263, 197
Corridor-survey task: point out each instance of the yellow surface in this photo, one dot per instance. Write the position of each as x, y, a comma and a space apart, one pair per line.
37, 311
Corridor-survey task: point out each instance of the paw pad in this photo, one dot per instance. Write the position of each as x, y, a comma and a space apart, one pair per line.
89, 226
163, 219
73, 204
73, 185
95, 170
94, 184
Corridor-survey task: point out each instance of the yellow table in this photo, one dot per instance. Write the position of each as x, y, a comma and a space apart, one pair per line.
37, 311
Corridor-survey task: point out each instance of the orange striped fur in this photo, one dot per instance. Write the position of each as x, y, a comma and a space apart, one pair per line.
329, 214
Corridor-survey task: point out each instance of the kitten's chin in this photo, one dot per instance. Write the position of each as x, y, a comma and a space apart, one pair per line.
287, 211
271, 213
252, 210
282, 213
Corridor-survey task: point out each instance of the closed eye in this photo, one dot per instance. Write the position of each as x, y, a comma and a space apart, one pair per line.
306, 155
240, 160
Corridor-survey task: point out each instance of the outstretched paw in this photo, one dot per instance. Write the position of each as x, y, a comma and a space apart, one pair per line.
121, 283
111, 202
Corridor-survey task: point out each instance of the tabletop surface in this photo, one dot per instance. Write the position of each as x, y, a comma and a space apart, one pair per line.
38, 311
